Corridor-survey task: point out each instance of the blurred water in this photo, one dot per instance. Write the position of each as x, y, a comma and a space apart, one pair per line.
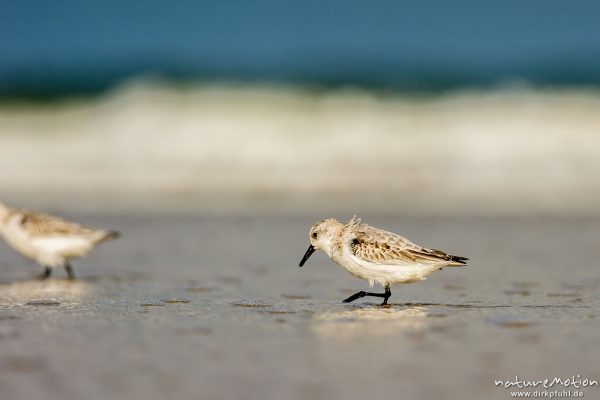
85, 47
223, 149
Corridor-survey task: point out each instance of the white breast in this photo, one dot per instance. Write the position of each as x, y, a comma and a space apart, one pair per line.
66, 246
19, 239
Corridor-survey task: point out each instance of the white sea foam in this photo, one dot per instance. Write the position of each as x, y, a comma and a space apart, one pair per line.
224, 148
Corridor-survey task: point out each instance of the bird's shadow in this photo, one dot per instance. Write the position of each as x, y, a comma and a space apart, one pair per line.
463, 305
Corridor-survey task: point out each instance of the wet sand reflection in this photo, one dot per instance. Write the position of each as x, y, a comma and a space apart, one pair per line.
50, 292
369, 321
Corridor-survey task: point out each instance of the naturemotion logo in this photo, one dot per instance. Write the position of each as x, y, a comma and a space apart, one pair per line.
574, 381
547, 388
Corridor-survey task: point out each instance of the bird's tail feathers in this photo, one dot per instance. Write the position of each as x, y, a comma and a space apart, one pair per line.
105, 236
457, 261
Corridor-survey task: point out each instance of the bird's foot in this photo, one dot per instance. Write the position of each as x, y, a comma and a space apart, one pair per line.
354, 297
70, 272
46, 274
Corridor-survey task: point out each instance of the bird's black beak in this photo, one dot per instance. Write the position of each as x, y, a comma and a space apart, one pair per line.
308, 253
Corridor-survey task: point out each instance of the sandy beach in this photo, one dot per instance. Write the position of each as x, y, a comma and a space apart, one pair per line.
217, 308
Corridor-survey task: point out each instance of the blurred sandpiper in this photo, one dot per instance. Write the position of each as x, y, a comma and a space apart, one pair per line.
49, 240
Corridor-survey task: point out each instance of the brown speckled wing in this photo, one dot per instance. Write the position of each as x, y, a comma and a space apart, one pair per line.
37, 224
382, 247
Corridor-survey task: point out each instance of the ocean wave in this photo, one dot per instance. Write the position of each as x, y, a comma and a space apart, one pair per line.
220, 147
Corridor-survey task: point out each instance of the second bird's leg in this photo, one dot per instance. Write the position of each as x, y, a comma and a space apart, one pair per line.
360, 294
45, 274
69, 270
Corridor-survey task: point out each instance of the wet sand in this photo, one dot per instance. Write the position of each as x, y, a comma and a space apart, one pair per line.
217, 308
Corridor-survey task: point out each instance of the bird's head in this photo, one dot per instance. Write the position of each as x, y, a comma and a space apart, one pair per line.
321, 235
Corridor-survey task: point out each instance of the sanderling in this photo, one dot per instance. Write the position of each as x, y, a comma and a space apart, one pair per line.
376, 255
49, 240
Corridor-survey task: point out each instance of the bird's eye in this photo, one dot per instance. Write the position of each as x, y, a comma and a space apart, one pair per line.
314, 235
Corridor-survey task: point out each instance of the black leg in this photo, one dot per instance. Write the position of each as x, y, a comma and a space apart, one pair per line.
386, 295
354, 297
46, 274
70, 272
360, 294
